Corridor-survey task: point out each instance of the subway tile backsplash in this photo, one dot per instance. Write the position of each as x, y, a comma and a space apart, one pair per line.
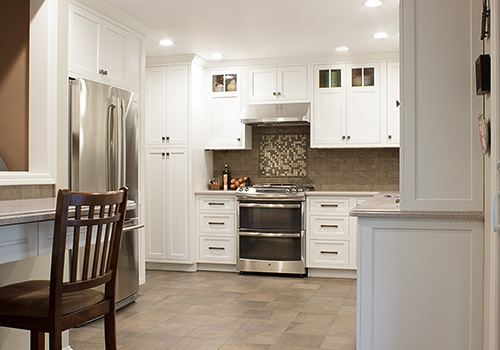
282, 154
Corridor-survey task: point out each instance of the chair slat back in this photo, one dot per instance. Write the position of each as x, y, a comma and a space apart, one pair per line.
96, 222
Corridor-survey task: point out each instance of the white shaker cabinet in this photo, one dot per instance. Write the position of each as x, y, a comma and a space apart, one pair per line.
277, 83
167, 207
224, 127
393, 104
167, 105
98, 49
328, 124
363, 101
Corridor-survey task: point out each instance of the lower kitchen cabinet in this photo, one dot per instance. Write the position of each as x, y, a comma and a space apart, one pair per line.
167, 205
216, 229
331, 233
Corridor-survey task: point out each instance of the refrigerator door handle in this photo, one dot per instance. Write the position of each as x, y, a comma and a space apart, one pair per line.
122, 132
109, 143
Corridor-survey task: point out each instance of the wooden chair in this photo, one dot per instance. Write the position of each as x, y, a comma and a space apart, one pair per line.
63, 303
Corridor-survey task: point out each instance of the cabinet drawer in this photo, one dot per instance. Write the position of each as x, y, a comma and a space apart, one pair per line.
328, 254
18, 242
217, 250
329, 205
212, 203
328, 227
216, 224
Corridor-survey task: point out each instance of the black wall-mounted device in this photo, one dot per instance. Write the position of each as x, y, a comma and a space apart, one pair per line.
483, 74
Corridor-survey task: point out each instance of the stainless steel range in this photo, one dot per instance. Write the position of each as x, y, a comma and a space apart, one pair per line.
271, 228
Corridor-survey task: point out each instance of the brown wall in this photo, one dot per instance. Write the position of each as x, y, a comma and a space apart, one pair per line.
14, 83
362, 169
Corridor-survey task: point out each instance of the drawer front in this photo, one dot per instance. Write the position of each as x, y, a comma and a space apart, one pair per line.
328, 254
216, 224
18, 242
213, 203
333, 206
328, 227
217, 250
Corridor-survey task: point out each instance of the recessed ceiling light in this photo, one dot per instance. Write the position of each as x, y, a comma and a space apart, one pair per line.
216, 56
342, 49
380, 35
166, 42
372, 3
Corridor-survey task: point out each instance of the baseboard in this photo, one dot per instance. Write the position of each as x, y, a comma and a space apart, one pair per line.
171, 267
68, 348
217, 267
331, 273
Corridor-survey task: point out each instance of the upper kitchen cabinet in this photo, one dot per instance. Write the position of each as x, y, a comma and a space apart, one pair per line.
363, 101
277, 83
224, 127
101, 49
328, 124
346, 106
393, 103
167, 105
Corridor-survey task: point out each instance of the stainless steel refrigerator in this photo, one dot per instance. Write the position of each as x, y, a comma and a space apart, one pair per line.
104, 156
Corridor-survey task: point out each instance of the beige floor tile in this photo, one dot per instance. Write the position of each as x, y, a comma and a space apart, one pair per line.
228, 311
308, 328
301, 340
198, 344
338, 343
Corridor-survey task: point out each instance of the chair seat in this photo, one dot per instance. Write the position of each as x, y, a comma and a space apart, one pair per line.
31, 299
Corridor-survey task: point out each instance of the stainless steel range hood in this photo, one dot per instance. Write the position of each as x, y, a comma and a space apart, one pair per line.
277, 113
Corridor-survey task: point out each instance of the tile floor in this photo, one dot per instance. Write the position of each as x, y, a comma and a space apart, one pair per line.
228, 311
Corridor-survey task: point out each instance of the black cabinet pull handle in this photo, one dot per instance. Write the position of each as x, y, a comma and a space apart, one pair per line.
334, 226
216, 248
328, 252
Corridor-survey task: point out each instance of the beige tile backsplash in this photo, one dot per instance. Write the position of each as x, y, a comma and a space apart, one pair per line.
26, 192
360, 169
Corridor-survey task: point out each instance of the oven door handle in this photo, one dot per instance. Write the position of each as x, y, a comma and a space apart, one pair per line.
270, 205
270, 235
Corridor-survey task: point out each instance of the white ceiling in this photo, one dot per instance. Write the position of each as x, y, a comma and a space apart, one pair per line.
240, 29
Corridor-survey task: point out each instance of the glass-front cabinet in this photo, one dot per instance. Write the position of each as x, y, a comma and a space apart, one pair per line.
224, 127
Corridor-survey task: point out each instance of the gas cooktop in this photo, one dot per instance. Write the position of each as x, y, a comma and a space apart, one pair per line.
274, 189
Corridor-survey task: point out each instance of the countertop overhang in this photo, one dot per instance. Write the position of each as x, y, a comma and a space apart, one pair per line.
386, 205
24, 211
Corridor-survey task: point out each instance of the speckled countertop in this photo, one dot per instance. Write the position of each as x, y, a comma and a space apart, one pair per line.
24, 211
216, 192
308, 193
385, 205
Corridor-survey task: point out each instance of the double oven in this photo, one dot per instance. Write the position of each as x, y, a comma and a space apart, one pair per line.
271, 229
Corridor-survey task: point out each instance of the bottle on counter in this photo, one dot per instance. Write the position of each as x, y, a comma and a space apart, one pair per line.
225, 178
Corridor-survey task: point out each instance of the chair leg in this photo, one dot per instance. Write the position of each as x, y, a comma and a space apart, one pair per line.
110, 330
55, 340
37, 340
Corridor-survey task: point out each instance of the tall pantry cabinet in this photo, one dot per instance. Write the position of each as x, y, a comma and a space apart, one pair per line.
168, 165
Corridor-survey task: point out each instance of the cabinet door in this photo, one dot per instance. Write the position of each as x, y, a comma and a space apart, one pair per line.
292, 83
262, 84
328, 122
156, 203
177, 204
393, 103
84, 42
363, 101
115, 54
177, 104
136, 64
156, 106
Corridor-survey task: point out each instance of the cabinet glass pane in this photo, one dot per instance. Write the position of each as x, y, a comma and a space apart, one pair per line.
369, 76
357, 77
231, 81
218, 83
324, 77
335, 78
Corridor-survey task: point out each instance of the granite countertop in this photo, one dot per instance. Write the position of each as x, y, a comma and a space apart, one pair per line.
216, 192
308, 193
386, 205
24, 211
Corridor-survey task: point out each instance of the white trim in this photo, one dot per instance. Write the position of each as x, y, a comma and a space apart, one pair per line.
331, 273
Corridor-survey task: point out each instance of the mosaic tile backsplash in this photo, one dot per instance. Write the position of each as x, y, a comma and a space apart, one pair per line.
283, 155
360, 169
